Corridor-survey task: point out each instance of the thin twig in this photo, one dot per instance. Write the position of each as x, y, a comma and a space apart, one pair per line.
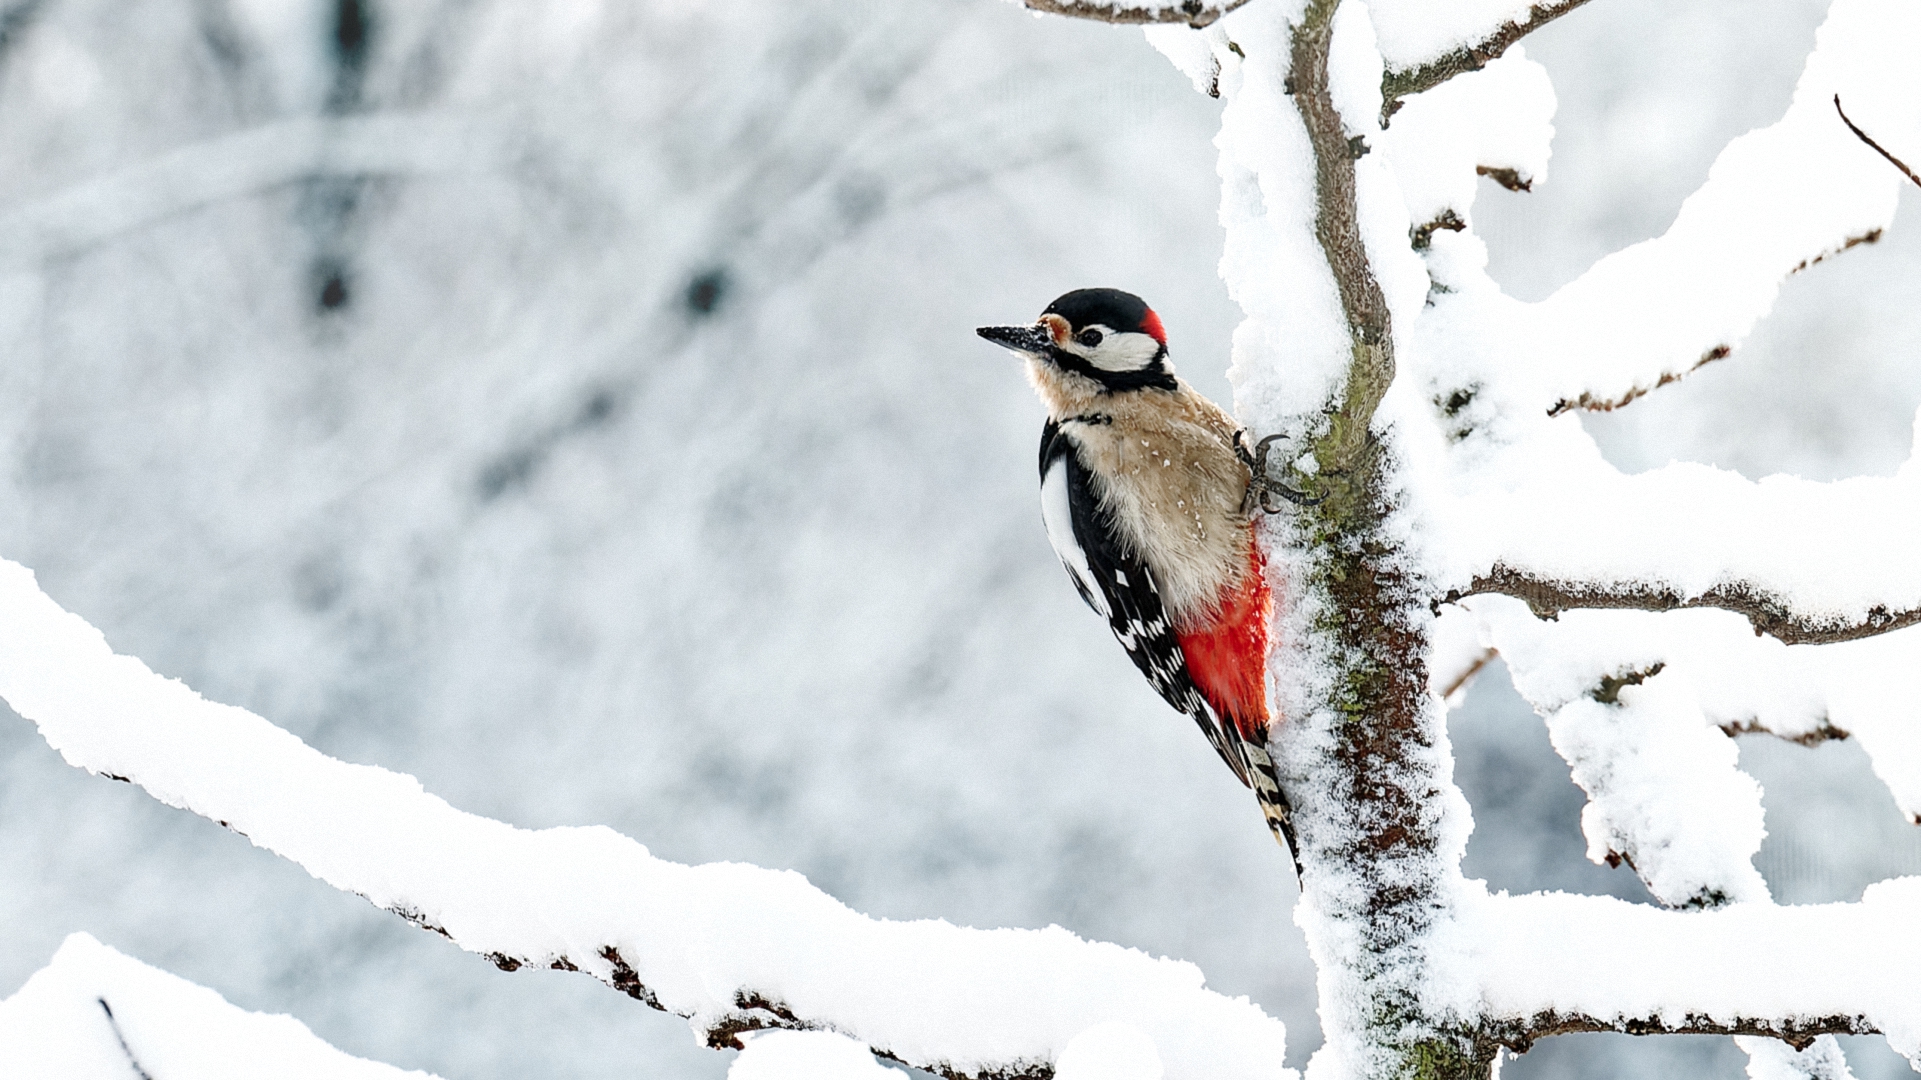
1878, 148
1396, 85
1487, 657
121, 1037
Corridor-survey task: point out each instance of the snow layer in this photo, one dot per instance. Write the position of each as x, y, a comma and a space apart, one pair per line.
1772, 1059
700, 938
1715, 669
1536, 494
1553, 507
1664, 789
1414, 32
94, 1013
1500, 117
806, 1055
1612, 960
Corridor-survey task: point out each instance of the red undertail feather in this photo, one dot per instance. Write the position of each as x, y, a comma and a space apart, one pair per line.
1227, 658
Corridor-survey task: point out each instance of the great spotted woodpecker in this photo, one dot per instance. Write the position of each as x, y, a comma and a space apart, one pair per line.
1147, 492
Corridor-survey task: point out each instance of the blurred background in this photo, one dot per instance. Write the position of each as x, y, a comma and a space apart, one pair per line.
590, 423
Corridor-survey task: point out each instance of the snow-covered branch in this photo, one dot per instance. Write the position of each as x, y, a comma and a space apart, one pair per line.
1776, 201
1195, 13
1551, 964
1560, 528
733, 948
1337, 226
1703, 671
1769, 613
94, 1011
1470, 42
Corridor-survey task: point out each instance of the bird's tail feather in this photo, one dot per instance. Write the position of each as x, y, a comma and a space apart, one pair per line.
1274, 805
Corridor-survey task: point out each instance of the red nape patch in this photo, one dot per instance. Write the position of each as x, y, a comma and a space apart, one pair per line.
1227, 658
1151, 326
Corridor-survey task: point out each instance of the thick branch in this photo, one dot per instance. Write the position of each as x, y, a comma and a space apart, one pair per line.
1194, 13
1769, 614
1397, 84
1337, 227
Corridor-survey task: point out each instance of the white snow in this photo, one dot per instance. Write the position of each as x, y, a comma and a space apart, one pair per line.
1609, 959
697, 936
1772, 1059
1535, 494
806, 1055
1776, 200
1716, 670
1500, 117
1413, 32
1553, 507
94, 1013
1111, 1051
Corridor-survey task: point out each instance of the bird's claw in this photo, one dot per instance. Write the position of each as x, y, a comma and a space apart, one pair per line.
1263, 489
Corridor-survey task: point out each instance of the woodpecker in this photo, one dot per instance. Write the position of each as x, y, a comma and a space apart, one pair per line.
1147, 492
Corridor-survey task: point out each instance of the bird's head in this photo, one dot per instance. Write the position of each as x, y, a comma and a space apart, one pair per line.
1106, 335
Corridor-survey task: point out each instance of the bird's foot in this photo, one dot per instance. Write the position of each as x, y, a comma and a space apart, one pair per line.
1263, 490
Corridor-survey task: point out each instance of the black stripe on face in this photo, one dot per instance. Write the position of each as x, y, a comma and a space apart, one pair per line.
1153, 376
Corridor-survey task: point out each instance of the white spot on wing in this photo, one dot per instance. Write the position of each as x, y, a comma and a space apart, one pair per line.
1058, 516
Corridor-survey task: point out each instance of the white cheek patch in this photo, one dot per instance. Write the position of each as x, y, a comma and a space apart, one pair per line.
1058, 516
1119, 352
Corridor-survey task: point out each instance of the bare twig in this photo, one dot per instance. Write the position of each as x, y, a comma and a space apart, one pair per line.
121, 1037
1396, 85
1195, 13
1769, 614
1487, 657
1878, 148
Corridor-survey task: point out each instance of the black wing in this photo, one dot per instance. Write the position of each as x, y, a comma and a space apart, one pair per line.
1116, 584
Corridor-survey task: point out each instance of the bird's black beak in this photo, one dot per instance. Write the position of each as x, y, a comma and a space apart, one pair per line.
1027, 339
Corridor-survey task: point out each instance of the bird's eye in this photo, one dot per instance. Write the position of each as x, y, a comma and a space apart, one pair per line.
1089, 338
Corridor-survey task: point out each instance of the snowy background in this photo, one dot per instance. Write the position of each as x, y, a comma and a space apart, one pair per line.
594, 429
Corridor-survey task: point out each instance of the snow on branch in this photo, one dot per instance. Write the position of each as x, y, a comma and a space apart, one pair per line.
733, 948
1427, 44
1776, 201
1708, 663
1551, 964
1548, 521
1769, 614
1195, 13
94, 1011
